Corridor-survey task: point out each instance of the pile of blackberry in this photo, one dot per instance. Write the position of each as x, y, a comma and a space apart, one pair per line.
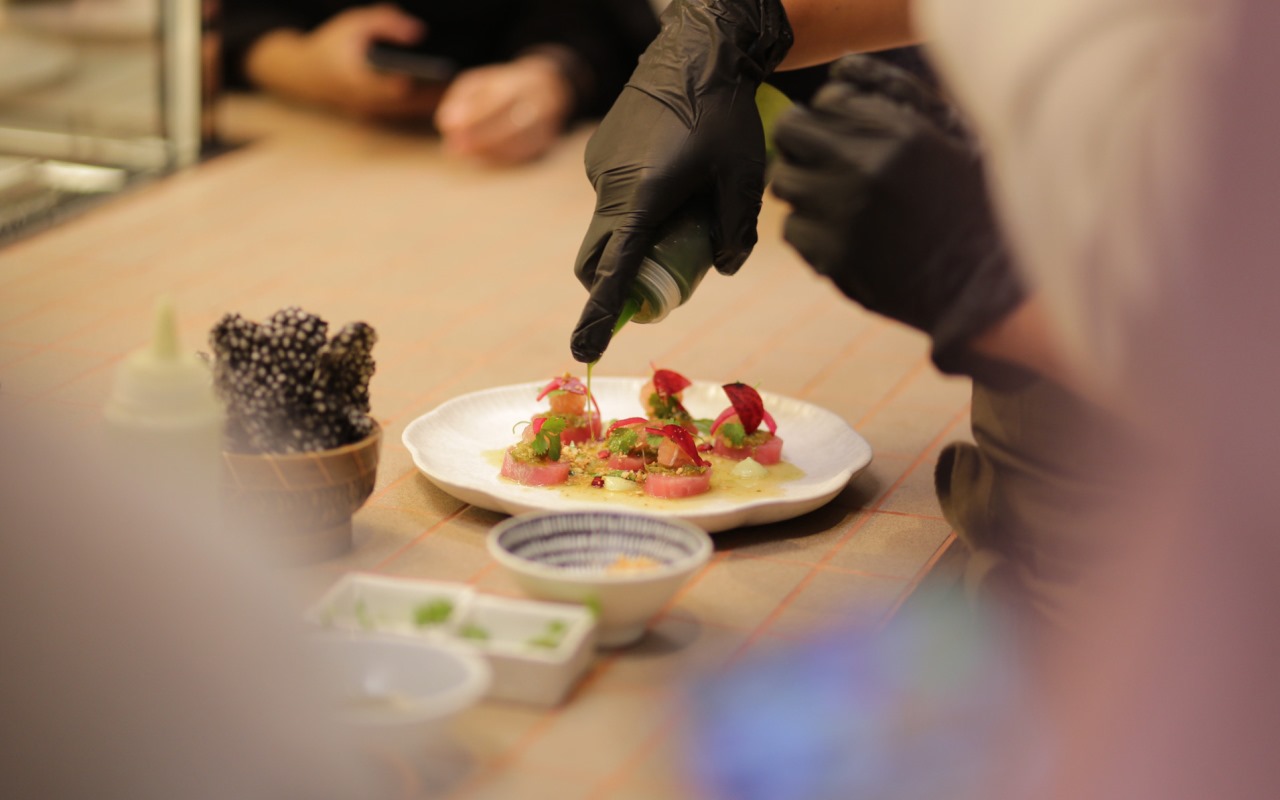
287, 386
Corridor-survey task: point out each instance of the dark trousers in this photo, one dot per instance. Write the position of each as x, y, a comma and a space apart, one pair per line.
1029, 496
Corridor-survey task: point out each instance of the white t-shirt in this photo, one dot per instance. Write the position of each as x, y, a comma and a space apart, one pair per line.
1087, 109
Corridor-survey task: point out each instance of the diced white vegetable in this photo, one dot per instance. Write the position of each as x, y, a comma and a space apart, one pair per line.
615, 484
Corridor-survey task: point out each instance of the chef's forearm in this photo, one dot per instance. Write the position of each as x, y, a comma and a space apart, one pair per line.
1025, 338
825, 30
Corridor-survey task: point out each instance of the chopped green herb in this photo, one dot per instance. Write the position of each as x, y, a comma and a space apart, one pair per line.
551, 636
623, 440
433, 613
662, 406
733, 433
362, 615
704, 425
523, 451
669, 409
474, 632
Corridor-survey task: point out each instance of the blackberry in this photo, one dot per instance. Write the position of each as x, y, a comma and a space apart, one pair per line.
234, 340
345, 365
286, 387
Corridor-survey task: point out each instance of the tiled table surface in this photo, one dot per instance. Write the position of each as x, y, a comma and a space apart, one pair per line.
466, 274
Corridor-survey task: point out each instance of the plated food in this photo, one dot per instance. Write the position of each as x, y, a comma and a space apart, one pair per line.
666, 454
460, 444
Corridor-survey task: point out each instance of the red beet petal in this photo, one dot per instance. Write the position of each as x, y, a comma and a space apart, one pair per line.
683, 440
746, 401
667, 382
625, 423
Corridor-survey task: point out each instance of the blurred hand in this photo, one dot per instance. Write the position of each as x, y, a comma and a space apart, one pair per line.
890, 203
506, 113
329, 66
686, 126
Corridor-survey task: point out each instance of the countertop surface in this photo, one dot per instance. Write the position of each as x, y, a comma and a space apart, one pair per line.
466, 274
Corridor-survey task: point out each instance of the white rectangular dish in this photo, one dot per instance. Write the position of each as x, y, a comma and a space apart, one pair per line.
360, 602
537, 650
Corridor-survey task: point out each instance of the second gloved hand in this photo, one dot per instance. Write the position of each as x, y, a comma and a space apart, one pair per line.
686, 126
889, 201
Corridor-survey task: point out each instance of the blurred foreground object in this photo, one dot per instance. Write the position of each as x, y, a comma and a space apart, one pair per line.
934, 705
148, 657
1136, 176
399, 693
299, 505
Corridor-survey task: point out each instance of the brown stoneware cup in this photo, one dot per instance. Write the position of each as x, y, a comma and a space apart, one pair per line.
299, 505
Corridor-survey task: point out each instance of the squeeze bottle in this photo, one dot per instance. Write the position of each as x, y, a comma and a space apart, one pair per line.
681, 255
164, 423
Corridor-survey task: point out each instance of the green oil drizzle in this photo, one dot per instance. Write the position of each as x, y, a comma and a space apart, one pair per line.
591, 400
629, 310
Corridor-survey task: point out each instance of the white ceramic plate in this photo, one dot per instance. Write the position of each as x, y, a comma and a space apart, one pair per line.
454, 446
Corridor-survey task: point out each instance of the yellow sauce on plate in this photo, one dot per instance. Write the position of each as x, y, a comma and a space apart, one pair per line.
724, 484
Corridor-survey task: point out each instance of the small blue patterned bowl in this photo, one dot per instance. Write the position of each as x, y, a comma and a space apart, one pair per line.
626, 566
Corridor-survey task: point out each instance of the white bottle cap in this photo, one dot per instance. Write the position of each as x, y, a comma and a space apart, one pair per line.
663, 292
160, 385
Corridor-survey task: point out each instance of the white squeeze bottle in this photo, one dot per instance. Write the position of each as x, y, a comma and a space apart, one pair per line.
164, 423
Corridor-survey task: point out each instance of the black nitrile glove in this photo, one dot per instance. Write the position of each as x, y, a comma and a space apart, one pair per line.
889, 202
685, 127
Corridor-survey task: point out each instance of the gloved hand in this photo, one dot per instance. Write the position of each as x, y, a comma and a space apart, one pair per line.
889, 201
685, 127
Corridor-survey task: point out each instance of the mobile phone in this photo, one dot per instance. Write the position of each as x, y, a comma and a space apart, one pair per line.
405, 60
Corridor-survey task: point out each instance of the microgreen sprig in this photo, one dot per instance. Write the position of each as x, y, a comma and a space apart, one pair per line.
546, 436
